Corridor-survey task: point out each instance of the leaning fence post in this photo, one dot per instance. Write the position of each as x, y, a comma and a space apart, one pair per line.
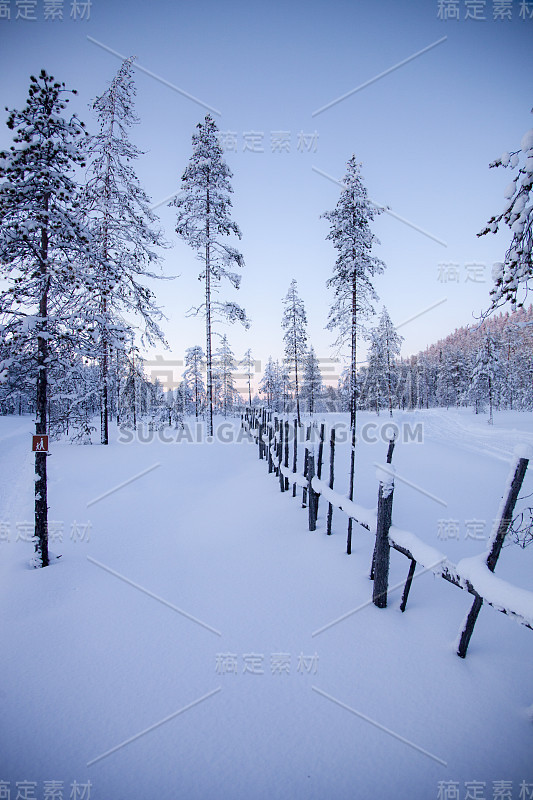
408, 582
331, 478
382, 548
506, 517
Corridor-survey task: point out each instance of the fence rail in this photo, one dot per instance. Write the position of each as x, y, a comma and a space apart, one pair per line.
474, 575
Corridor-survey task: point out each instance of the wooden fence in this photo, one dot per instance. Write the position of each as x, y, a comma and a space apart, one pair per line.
475, 575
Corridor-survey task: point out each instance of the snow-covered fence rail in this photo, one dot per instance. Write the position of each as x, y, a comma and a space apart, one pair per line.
474, 575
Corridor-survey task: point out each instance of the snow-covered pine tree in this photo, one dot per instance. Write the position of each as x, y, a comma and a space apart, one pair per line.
486, 375
312, 386
225, 366
124, 227
17, 371
515, 273
74, 394
182, 401
248, 364
384, 349
159, 409
274, 385
193, 377
286, 387
343, 390
374, 376
425, 380
293, 322
204, 222
268, 382
134, 395
351, 281
43, 240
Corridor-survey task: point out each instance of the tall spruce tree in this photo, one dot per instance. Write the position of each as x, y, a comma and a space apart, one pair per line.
248, 364
351, 281
384, 349
124, 227
312, 385
225, 366
43, 242
486, 375
274, 384
293, 322
193, 377
204, 222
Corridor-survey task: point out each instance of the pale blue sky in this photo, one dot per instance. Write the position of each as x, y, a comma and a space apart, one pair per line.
425, 134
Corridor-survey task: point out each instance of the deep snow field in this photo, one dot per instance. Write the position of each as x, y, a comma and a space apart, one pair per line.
175, 650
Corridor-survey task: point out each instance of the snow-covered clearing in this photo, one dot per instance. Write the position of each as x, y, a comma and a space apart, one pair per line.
197, 588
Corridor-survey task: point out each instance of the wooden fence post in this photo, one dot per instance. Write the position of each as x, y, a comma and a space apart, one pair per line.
286, 460
497, 543
331, 478
319, 460
306, 453
260, 441
310, 491
390, 451
382, 548
270, 464
275, 444
280, 457
295, 455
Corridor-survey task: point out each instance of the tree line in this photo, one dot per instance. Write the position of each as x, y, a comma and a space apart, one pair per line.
76, 255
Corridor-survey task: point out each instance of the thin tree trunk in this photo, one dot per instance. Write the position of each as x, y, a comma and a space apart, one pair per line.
41, 489
104, 422
209, 357
134, 390
353, 405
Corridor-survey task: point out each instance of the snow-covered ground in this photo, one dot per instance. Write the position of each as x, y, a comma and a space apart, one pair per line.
176, 650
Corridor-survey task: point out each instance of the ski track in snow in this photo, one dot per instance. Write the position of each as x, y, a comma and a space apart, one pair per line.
16, 458
454, 430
